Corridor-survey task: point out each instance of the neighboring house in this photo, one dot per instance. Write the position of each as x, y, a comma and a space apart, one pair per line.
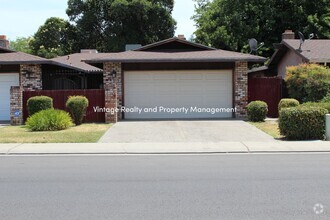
14, 66
173, 73
25, 72
176, 73
287, 53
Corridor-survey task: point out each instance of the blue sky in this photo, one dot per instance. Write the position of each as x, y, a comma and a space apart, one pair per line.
21, 18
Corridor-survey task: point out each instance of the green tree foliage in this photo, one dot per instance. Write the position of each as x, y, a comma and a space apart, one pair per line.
228, 24
108, 25
308, 82
54, 38
21, 44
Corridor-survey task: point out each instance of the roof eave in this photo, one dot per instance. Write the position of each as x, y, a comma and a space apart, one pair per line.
23, 62
252, 60
319, 60
56, 63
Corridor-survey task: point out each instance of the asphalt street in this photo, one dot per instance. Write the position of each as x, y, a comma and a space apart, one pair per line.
250, 186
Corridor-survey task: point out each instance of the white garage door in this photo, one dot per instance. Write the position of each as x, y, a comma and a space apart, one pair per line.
6, 81
178, 94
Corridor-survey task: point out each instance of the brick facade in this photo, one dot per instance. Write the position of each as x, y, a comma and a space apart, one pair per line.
241, 88
30, 80
34, 79
113, 90
16, 105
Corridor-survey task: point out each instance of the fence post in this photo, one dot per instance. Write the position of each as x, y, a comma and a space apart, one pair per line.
327, 126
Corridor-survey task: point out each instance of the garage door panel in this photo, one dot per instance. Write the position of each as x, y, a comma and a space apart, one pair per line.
163, 76
6, 81
221, 75
177, 89
190, 76
137, 77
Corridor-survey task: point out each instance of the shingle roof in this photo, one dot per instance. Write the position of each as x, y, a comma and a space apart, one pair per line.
317, 51
193, 56
74, 61
21, 58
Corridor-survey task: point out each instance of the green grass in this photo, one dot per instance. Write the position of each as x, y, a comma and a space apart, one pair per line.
269, 127
85, 133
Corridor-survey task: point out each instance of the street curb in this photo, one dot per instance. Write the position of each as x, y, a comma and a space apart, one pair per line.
164, 148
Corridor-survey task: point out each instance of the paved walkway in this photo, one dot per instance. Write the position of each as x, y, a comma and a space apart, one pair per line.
184, 132
166, 148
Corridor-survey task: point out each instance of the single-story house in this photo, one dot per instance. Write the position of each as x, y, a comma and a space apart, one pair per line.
14, 67
173, 74
24, 72
288, 53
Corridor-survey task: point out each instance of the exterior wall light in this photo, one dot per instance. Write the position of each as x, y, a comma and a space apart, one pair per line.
113, 73
27, 73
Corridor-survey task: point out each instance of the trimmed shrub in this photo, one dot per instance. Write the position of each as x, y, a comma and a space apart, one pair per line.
77, 106
325, 105
303, 123
49, 120
38, 103
288, 103
308, 82
257, 111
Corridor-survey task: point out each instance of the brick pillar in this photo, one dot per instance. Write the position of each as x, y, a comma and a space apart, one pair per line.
111, 103
113, 90
241, 88
16, 105
31, 77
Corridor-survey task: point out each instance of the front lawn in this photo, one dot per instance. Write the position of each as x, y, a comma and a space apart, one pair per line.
269, 127
85, 133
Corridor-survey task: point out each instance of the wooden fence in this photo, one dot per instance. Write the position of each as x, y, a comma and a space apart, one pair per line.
267, 89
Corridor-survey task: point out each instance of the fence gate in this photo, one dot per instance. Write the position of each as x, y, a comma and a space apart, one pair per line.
267, 89
95, 98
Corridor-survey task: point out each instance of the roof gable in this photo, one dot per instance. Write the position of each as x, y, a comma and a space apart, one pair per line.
190, 56
75, 61
316, 51
174, 45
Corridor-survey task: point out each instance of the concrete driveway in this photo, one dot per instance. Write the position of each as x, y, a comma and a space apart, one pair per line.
183, 131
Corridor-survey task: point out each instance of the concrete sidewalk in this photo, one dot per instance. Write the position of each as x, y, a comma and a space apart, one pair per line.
165, 148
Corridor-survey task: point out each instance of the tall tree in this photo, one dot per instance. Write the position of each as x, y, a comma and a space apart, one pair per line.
21, 44
108, 25
228, 24
55, 38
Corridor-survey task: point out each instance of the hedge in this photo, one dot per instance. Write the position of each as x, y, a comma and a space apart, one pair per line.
303, 123
257, 111
287, 103
325, 105
77, 106
39, 103
49, 120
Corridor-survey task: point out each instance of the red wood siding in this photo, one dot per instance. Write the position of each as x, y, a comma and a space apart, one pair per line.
95, 97
267, 89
